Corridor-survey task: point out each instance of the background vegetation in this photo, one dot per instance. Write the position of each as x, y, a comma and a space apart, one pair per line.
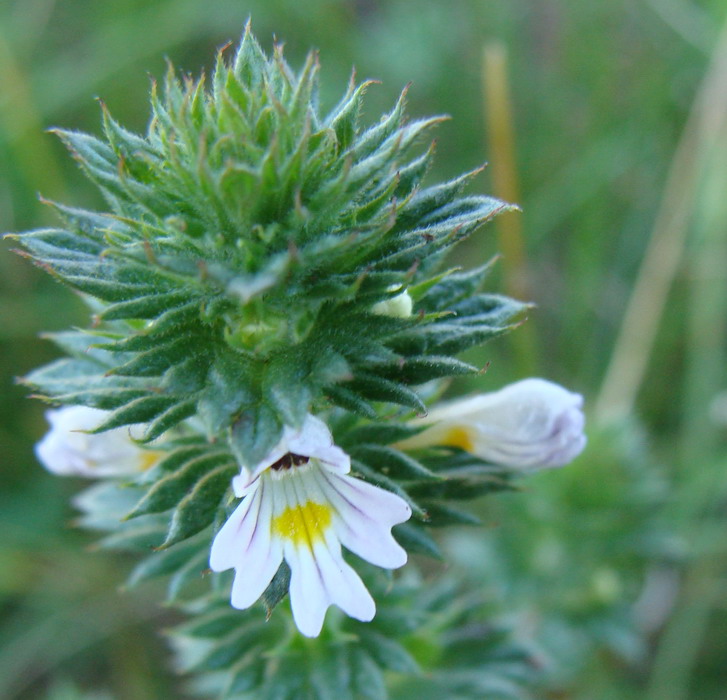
615, 568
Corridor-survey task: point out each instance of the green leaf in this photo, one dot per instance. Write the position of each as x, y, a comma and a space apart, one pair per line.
231, 648
168, 491
198, 508
455, 488
492, 309
59, 244
419, 370
156, 361
179, 457
379, 389
415, 540
226, 393
191, 572
455, 287
385, 482
388, 653
254, 434
374, 137
170, 418
377, 433
140, 538
246, 676
350, 400
391, 462
215, 623
250, 65
368, 680
330, 676
441, 515
109, 398
161, 563
144, 307
83, 345
140, 410
286, 388
72, 376
434, 198
413, 173
344, 117
94, 225
96, 157
277, 590
188, 376
445, 338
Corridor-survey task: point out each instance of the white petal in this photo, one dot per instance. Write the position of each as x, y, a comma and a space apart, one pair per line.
254, 577
321, 578
309, 598
315, 440
245, 543
346, 589
313, 435
69, 451
234, 536
366, 514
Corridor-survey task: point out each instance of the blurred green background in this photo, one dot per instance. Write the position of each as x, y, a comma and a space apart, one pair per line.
616, 148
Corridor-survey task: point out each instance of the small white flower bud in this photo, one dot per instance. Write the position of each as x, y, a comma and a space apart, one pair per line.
531, 424
398, 306
68, 451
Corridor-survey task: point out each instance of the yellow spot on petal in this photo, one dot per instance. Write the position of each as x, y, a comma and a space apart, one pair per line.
148, 459
303, 524
459, 437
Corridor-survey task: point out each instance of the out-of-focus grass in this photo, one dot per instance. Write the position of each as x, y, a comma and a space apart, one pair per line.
600, 95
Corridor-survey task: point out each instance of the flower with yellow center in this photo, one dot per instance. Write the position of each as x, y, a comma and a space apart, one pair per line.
68, 449
301, 505
531, 424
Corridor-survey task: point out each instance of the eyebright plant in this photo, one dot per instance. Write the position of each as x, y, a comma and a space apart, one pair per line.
271, 310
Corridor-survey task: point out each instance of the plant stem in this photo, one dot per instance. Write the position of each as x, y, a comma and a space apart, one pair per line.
645, 308
501, 145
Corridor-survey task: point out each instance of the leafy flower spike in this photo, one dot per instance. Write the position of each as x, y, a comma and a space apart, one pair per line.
299, 504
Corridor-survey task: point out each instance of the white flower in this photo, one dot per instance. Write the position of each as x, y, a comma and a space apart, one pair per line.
69, 451
531, 424
300, 505
398, 306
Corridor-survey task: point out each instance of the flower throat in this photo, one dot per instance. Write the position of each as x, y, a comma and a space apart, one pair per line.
288, 461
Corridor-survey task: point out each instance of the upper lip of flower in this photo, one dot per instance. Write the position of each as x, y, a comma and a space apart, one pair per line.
312, 440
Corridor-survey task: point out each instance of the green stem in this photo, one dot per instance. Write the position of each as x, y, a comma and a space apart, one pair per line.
501, 144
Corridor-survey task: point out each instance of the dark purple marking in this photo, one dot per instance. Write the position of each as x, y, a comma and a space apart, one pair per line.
288, 461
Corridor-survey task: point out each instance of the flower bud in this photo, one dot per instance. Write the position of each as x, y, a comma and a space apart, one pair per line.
398, 306
67, 450
531, 424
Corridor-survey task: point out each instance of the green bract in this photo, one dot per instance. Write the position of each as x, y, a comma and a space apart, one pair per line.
249, 237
